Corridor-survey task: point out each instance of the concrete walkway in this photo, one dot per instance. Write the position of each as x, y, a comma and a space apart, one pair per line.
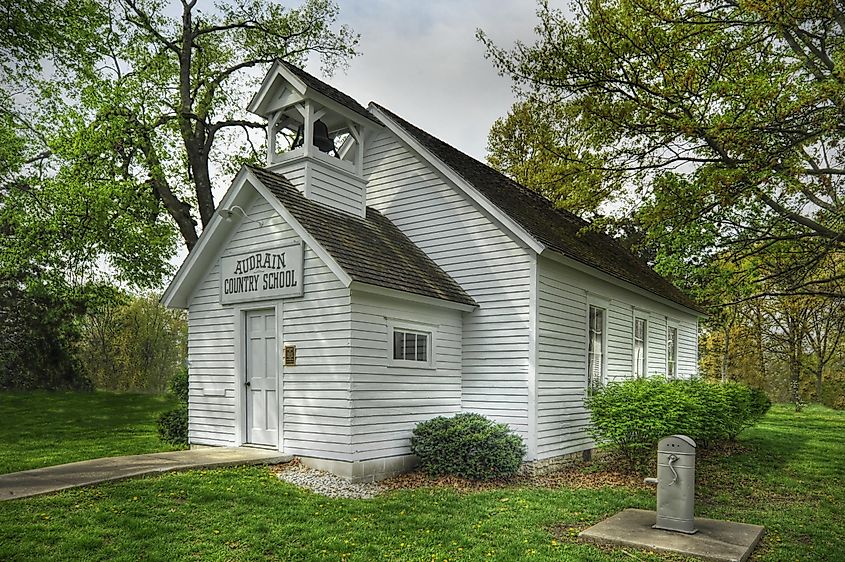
84, 473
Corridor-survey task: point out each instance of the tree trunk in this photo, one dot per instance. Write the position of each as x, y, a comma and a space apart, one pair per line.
726, 349
202, 181
819, 374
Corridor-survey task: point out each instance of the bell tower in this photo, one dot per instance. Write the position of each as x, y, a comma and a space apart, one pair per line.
315, 137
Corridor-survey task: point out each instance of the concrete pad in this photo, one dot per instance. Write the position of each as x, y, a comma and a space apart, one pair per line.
84, 473
715, 540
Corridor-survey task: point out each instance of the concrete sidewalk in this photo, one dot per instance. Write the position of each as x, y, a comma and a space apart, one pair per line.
83, 473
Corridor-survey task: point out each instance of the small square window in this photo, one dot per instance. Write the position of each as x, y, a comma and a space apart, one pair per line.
410, 346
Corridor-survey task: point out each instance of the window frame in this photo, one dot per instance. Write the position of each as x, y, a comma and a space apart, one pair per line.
411, 328
644, 360
671, 327
603, 307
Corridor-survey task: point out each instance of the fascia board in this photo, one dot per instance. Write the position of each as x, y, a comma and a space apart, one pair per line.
275, 70
175, 295
299, 229
468, 189
413, 297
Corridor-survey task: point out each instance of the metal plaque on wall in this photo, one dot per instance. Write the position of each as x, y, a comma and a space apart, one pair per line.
271, 273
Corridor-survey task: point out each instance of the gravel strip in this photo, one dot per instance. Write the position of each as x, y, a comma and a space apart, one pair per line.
327, 484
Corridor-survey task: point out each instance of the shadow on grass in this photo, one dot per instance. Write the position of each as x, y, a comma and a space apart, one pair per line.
42, 428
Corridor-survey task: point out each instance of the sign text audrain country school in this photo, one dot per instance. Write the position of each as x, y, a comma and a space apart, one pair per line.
262, 274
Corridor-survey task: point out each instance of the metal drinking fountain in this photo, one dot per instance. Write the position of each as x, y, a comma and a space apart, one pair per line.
675, 484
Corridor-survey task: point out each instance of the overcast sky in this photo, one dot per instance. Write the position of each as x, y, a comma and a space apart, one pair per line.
421, 60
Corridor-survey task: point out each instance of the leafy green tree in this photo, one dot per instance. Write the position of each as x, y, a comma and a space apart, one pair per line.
165, 106
726, 113
134, 345
526, 145
113, 115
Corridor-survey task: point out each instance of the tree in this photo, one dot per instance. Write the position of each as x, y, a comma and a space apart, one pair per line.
527, 145
152, 114
729, 113
825, 335
136, 344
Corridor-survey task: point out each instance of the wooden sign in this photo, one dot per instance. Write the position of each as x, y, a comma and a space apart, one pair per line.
274, 273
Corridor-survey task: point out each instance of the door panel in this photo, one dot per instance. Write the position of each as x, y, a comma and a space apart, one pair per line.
262, 404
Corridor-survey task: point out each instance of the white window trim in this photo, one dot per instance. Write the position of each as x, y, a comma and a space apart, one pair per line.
604, 305
412, 327
672, 323
644, 316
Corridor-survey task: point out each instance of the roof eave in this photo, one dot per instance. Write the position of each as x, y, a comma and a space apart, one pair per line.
178, 291
595, 272
409, 296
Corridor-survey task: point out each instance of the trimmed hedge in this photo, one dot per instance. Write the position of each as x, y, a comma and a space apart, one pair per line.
634, 415
467, 445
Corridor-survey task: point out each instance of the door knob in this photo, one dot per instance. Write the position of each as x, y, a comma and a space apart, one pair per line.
247, 383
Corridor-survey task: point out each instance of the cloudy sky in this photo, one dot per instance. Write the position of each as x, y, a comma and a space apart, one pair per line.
421, 60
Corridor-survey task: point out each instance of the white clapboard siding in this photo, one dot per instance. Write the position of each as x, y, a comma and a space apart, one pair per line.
293, 170
389, 400
485, 261
336, 188
315, 394
656, 344
620, 348
563, 297
326, 182
561, 362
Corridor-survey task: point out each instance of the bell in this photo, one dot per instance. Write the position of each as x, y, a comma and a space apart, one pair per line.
321, 137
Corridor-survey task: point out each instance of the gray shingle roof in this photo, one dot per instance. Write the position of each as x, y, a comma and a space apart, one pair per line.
557, 229
330, 92
370, 250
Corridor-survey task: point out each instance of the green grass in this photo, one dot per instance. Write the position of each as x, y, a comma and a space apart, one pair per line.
47, 428
790, 480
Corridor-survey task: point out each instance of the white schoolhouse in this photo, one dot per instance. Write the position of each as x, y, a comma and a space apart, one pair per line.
371, 277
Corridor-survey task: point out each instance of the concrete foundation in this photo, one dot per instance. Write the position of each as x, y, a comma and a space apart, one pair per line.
722, 541
547, 466
364, 471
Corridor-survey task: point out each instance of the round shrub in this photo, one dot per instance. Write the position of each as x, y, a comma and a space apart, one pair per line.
173, 426
467, 445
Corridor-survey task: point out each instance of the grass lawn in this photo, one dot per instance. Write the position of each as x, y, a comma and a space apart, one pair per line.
789, 477
46, 428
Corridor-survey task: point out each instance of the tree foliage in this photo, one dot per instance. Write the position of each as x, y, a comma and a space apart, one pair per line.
727, 114
136, 345
113, 116
155, 111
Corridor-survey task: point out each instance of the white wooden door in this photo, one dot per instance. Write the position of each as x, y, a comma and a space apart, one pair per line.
262, 397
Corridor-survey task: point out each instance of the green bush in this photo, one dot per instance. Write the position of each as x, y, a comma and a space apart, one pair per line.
467, 445
634, 415
178, 385
173, 424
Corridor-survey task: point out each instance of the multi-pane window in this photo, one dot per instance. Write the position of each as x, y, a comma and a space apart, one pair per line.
671, 352
595, 351
639, 347
410, 346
